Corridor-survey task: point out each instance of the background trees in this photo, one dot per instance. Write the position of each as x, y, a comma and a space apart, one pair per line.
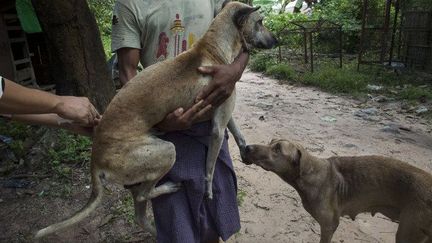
78, 63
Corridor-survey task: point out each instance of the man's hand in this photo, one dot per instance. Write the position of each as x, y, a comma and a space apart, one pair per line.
223, 82
182, 120
77, 109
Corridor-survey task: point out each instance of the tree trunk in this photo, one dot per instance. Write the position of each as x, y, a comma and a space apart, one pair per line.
78, 65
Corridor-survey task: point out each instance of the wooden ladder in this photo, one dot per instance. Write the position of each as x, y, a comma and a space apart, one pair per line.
23, 68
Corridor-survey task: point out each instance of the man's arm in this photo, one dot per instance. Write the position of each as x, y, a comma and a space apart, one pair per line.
52, 120
212, 95
18, 99
128, 59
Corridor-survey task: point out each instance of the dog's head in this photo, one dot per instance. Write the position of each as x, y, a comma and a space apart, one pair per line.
280, 156
249, 22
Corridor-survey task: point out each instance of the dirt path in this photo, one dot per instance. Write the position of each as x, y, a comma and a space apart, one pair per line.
326, 125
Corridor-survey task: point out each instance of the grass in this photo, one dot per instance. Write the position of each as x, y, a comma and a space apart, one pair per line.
125, 209
69, 151
337, 80
410, 86
416, 93
241, 195
19, 133
261, 62
281, 71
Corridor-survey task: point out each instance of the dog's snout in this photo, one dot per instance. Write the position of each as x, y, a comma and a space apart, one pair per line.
268, 43
248, 149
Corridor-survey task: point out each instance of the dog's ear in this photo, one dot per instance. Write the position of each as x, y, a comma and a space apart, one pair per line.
297, 158
225, 3
242, 14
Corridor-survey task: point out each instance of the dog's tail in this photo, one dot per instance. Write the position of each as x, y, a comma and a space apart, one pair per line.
93, 202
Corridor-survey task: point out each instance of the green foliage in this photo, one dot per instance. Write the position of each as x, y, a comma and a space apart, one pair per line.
422, 5
337, 80
416, 93
347, 80
347, 13
281, 71
106, 42
240, 197
280, 24
266, 5
260, 62
102, 10
70, 149
125, 208
18, 132
15, 130
344, 12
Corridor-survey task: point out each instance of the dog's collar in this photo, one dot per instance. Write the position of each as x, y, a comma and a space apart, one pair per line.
244, 43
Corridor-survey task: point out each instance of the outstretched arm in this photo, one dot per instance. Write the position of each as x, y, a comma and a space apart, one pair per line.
52, 120
17, 99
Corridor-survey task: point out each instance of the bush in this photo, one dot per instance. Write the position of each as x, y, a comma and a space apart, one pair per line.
337, 80
260, 62
415, 93
281, 71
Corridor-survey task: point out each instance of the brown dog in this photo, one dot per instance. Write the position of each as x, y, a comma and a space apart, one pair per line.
125, 150
338, 186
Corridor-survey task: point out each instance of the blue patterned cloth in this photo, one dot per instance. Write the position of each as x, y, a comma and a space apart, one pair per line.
187, 216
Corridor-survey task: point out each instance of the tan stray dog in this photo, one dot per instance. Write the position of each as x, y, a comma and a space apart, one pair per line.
124, 149
338, 186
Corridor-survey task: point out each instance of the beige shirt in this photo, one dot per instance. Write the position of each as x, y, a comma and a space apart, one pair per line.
160, 28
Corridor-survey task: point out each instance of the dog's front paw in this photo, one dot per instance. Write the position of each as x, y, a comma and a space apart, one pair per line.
209, 188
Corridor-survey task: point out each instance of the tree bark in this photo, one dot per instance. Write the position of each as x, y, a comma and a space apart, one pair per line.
78, 65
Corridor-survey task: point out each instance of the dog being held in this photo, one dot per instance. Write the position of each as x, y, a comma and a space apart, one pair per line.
338, 186
124, 149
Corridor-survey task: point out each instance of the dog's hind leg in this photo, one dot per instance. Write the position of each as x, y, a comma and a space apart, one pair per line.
141, 209
141, 205
410, 227
167, 187
147, 163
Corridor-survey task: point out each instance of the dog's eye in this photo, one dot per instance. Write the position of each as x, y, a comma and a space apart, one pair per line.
277, 148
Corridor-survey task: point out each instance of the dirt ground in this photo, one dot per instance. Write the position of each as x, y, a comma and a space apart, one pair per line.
270, 209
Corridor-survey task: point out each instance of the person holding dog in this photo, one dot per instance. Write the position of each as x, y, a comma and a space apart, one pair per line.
34, 106
150, 31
